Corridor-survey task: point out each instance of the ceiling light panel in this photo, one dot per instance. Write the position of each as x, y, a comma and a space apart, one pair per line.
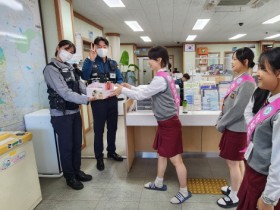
114, 3
191, 37
200, 24
272, 20
272, 37
134, 25
237, 36
146, 38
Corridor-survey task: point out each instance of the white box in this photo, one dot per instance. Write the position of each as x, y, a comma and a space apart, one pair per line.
100, 90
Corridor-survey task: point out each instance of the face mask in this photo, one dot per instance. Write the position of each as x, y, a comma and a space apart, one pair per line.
65, 55
102, 52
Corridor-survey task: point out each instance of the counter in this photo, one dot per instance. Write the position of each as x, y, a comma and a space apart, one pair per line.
198, 131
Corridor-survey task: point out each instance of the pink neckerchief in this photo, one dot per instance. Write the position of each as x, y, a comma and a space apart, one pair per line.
172, 86
236, 82
263, 114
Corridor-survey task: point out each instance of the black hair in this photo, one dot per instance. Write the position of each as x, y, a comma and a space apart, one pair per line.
260, 96
100, 38
169, 66
187, 76
272, 58
159, 52
66, 42
245, 53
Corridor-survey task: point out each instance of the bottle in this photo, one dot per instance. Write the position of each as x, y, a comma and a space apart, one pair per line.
185, 105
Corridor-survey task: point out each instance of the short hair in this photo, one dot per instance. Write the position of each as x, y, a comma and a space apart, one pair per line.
159, 52
187, 76
64, 43
100, 38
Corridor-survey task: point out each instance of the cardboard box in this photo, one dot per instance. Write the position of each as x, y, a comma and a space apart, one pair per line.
100, 90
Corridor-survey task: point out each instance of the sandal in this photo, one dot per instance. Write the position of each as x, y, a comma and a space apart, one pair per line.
228, 202
227, 191
152, 186
181, 198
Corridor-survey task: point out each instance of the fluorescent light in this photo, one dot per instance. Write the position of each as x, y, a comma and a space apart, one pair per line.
191, 37
146, 38
114, 3
200, 24
272, 20
273, 36
13, 4
134, 25
238, 36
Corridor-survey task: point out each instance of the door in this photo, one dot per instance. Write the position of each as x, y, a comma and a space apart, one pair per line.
145, 73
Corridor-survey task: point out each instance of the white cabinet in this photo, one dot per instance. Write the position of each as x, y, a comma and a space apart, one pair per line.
45, 143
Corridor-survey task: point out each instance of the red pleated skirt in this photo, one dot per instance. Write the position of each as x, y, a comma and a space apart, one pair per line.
251, 189
168, 139
232, 145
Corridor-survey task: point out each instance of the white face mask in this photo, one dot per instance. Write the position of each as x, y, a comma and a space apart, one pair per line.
65, 55
102, 52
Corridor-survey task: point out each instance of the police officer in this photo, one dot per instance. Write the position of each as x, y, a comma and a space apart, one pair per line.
98, 67
64, 89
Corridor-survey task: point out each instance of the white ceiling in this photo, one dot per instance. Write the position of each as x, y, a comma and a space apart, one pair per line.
167, 22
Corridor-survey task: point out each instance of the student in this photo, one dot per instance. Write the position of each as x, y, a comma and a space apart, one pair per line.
260, 188
65, 94
232, 124
98, 67
165, 105
256, 102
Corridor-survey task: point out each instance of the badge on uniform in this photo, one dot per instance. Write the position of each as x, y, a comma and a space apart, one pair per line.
112, 75
232, 95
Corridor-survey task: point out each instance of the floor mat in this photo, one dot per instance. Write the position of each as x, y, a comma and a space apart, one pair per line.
206, 186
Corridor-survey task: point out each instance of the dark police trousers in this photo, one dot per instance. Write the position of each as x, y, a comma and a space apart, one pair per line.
105, 111
69, 131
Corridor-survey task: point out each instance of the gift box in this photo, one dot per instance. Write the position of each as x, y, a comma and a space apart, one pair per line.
100, 90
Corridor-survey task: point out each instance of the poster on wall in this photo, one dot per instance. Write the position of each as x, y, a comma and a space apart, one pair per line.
22, 60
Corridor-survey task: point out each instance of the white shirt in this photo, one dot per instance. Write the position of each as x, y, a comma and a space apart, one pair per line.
158, 84
248, 113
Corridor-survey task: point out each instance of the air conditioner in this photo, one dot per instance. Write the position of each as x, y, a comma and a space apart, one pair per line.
240, 3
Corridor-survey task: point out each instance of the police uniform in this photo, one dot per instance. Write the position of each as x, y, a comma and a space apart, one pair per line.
64, 89
104, 111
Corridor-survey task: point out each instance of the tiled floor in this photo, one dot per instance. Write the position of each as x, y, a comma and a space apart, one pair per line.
115, 189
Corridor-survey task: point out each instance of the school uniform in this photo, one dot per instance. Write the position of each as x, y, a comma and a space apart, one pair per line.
168, 139
262, 170
231, 121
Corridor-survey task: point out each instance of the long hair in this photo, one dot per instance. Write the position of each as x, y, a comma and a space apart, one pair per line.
260, 97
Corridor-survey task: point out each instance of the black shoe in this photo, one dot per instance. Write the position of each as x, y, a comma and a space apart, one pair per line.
74, 184
81, 176
100, 165
115, 156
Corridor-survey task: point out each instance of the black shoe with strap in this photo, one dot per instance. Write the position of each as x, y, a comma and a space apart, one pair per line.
100, 164
81, 176
114, 156
74, 184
